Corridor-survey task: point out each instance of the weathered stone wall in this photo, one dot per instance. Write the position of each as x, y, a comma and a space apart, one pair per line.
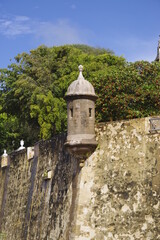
119, 191
116, 195
32, 207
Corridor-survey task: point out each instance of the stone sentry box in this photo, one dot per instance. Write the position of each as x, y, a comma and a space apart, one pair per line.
81, 99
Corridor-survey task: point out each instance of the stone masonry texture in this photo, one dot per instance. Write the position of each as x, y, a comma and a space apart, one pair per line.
115, 195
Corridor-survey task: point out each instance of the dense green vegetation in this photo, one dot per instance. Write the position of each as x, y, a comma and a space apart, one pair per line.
32, 90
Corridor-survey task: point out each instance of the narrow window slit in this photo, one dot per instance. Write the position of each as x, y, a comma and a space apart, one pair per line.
90, 112
71, 112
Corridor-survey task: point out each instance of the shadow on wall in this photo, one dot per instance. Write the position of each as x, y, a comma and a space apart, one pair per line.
38, 195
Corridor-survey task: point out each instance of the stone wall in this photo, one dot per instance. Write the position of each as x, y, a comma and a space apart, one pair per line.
116, 195
33, 207
119, 191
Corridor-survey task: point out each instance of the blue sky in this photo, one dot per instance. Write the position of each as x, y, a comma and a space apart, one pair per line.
130, 28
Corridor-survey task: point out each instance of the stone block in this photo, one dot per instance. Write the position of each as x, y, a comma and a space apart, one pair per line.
30, 153
4, 161
47, 175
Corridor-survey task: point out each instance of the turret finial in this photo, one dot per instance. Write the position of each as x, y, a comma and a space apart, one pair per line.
80, 68
5, 153
80, 77
21, 145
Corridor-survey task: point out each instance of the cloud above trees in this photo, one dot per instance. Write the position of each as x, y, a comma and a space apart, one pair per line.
52, 33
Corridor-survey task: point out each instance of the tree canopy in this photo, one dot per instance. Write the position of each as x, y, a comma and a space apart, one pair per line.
32, 90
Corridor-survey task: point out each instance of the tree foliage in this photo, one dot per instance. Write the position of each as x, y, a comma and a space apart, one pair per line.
129, 92
32, 90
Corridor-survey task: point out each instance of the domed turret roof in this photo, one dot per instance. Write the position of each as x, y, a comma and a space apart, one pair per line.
81, 87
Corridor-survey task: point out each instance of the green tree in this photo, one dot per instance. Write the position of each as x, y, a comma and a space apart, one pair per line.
128, 92
32, 90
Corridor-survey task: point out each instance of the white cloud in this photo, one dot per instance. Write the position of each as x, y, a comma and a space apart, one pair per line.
21, 18
15, 25
49, 33
59, 33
